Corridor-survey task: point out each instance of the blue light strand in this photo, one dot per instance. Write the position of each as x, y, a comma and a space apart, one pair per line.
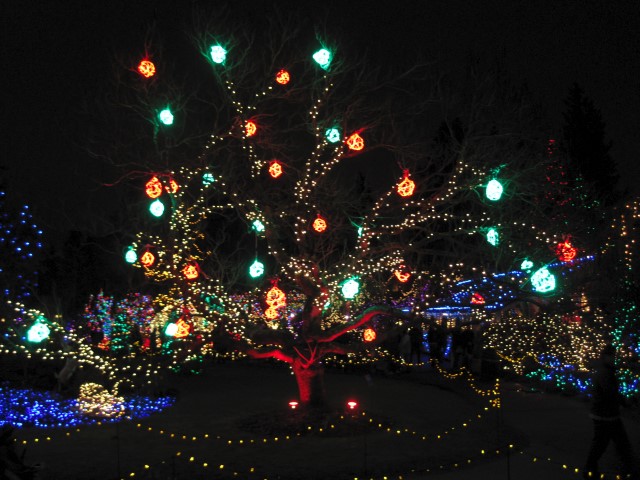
21, 408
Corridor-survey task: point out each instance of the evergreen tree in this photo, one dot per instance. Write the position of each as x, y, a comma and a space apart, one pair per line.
587, 149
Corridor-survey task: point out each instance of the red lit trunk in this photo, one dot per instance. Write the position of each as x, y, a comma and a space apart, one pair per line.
310, 384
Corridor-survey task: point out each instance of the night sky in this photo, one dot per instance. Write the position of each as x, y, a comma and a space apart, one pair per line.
57, 54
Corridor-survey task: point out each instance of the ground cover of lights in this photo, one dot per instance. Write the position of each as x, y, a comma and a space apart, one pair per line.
23, 407
166, 445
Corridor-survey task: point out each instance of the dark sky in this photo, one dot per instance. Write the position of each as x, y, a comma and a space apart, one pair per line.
55, 54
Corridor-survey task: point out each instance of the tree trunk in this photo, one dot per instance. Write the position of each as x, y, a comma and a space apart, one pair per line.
310, 384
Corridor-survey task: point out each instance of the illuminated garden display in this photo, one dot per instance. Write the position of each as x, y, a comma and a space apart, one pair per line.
283, 216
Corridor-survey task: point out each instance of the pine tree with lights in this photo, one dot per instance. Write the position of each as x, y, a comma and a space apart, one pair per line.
20, 242
260, 228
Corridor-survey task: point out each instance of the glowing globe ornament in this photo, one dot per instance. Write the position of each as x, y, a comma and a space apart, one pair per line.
275, 169
250, 128
153, 188
355, 142
146, 68
256, 269
218, 54
493, 237
543, 280
208, 179
283, 77
369, 335
350, 288
494, 190
407, 186
258, 226
526, 265
156, 208
166, 117
190, 271
323, 58
171, 330
131, 256
147, 259
319, 224
38, 332
332, 135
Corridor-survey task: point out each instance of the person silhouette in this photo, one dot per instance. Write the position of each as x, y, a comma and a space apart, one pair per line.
607, 424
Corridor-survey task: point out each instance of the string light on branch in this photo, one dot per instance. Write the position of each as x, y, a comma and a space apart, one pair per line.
166, 117
323, 58
283, 77
156, 208
332, 135
146, 68
494, 190
406, 186
543, 280
147, 259
218, 54
350, 288
355, 142
565, 251
369, 335
190, 271
250, 128
319, 224
275, 169
153, 188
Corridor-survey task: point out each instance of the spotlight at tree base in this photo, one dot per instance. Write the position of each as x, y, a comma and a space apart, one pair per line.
146, 68
166, 117
131, 256
275, 169
407, 186
323, 58
38, 332
319, 224
332, 135
190, 271
156, 208
256, 269
369, 335
352, 405
250, 128
350, 288
493, 237
153, 188
257, 226
543, 281
477, 299
494, 190
208, 179
283, 77
147, 259
218, 54
565, 252
293, 405
355, 142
